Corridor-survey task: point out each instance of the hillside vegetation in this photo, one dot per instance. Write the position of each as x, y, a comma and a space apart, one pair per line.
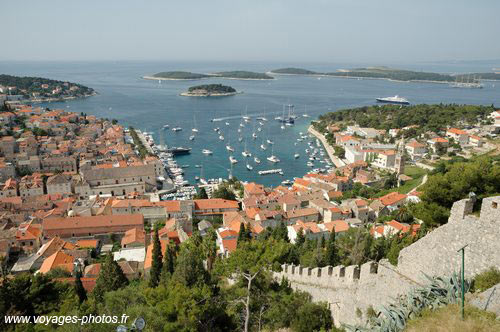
448, 319
427, 117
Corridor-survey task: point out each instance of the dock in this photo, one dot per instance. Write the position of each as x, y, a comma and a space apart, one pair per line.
329, 149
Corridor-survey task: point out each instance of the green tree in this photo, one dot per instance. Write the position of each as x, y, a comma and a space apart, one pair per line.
156, 263
202, 194
210, 248
111, 277
331, 256
224, 193
312, 317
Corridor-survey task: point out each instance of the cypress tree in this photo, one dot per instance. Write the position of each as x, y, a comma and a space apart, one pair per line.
168, 262
111, 277
244, 234
331, 257
156, 264
80, 291
301, 239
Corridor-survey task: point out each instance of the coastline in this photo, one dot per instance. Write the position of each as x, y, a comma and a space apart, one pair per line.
364, 78
51, 100
331, 152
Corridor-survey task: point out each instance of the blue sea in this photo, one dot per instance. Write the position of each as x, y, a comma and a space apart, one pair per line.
148, 105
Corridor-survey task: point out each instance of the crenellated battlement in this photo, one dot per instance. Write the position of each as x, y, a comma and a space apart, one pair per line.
329, 276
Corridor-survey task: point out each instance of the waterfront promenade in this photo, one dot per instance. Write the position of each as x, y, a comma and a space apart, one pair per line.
329, 149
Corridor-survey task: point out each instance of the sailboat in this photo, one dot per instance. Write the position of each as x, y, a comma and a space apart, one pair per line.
232, 160
191, 138
194, 130
305, 115
257, 160
296, 155
249, 167
263, 146
272, 158
228, 146
221, 137
245, 153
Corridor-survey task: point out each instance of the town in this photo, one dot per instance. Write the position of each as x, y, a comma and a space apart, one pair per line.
74, 187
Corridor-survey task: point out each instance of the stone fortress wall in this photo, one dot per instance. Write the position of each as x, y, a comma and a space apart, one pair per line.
351, 290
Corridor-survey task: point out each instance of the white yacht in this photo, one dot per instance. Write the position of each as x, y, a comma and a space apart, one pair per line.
394, 100
191, 138
232, 160
227, 123
166, 126
269, 142
176, 129
242, 125
296, 155
194, 130
229, 148
249, 167
273, 159
263, 147
221, 137
259, 129
246, 154
254, 135
206, 151
282, 127
257, 160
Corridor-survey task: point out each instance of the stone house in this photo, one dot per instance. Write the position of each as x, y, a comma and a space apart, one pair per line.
60, 184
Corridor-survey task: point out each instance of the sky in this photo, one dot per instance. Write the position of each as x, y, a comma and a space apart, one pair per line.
251, 30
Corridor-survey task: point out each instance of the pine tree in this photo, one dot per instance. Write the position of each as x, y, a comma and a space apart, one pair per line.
331, 256
110, 278
156, 264
79, 290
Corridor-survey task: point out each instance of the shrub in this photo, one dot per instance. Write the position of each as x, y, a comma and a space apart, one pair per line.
486, 279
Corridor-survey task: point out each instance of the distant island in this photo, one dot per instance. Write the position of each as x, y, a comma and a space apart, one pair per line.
391, 74
176, 75
38, 89
186, 75
210, 90
294, 71
245, 75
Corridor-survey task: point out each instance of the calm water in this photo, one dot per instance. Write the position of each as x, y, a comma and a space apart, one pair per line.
147, 105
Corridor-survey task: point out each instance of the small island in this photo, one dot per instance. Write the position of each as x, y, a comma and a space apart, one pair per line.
186, 75
176, 75
210, 90
38, 89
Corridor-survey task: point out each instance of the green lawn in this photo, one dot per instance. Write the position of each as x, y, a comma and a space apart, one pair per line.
416, 173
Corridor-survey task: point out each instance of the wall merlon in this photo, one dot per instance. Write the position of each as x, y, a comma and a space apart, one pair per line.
461, 209
490, 209
368, 270
352, 272
338, 271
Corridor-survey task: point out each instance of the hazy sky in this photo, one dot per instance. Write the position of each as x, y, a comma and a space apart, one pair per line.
256, 30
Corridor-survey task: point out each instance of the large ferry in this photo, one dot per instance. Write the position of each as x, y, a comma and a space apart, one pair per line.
394, 100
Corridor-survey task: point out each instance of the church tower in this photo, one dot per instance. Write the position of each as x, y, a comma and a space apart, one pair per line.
399, 166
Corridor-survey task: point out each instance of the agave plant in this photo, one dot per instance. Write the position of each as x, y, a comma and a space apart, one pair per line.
439, 292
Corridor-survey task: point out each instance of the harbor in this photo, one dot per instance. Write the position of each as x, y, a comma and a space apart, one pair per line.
253, 149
